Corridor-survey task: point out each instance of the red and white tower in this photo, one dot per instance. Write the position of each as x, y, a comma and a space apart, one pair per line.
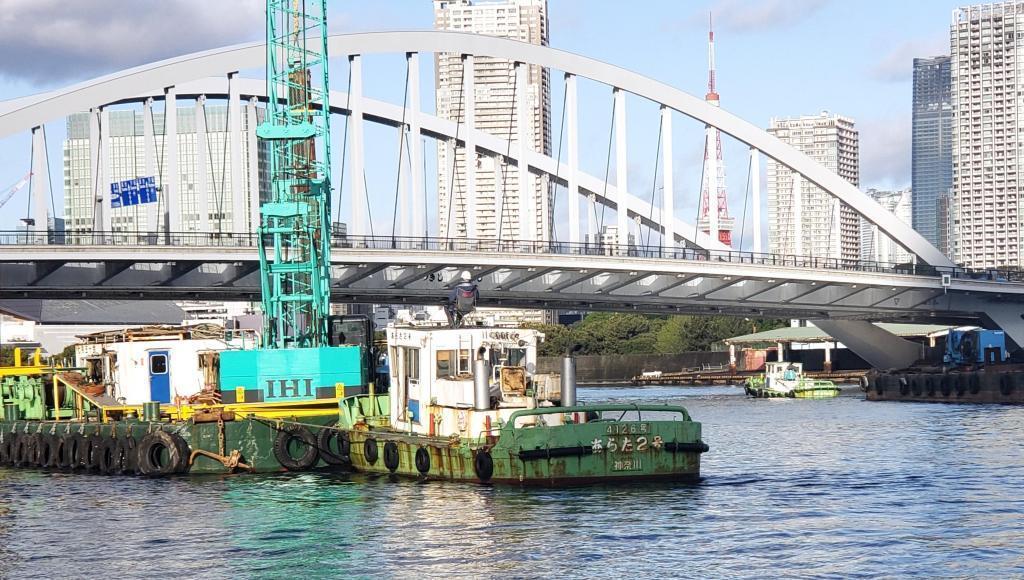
714, 209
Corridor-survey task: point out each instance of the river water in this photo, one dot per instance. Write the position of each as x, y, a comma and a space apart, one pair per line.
832, 488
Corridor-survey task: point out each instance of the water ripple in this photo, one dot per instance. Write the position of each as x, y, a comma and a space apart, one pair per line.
817, 489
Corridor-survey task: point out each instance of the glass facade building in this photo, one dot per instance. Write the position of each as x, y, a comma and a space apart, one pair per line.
932, 150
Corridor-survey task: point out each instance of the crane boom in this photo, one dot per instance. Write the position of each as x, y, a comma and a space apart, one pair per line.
15, 189
295, 225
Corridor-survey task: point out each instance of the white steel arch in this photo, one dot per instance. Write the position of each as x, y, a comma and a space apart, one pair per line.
24, 114
435, 127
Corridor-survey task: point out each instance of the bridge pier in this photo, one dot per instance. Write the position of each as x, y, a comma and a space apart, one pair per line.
1008, 318
880, 348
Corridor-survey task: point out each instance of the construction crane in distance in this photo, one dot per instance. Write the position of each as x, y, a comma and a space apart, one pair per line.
9, 192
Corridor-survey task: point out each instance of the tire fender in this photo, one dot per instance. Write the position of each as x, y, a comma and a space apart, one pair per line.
422, 460
483, 465
370, 451
282, 448
391, 459
326, 439
151, 452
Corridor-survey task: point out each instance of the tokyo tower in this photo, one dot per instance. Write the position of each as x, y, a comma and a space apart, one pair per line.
714, 217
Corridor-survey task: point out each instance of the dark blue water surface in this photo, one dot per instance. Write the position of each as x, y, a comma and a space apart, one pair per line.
839, 487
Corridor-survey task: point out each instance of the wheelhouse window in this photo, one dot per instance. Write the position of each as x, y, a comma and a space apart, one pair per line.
451, 363
412, 364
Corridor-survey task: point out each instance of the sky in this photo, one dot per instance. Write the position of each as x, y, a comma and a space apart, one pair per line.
776, 58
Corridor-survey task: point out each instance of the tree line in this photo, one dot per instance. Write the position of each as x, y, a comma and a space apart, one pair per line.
619, 333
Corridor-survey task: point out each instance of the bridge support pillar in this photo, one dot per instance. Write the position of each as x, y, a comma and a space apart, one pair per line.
668, 219
40, 187
828, 357
418, 226
524, 138
621, 169
574, 151
254, 166
880, 348
1008, 318
149, 165
755, 189
171, 172
359, 225
235, 143
202, 167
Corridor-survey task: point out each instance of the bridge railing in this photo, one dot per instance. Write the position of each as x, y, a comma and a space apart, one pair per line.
434, 244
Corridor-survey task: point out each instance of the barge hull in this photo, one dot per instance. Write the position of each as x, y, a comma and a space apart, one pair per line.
253, 439
980, 387
567, 455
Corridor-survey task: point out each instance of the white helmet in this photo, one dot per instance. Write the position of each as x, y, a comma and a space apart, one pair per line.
466, 276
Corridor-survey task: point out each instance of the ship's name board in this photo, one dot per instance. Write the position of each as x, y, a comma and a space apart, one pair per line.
503, 335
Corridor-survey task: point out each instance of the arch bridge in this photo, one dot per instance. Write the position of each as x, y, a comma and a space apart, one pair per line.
658, 262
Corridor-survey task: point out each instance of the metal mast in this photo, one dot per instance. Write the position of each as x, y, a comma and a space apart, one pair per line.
295, 223
714, 218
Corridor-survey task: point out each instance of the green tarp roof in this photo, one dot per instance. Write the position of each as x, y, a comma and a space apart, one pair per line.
815, 334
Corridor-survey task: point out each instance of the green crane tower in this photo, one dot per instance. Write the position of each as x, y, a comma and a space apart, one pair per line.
305, 354
295, 231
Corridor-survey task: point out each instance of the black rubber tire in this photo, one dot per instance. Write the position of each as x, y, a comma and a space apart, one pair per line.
151, 450
56, 451
880, 383
422, 460
904, 387
1006, 384
107, 459
5, 448
345, 446
44, 453
94, 445
370, 451
917, 386
961, 385
128, 458
67, 452
282, 448
946, 386
391, 459
326, 440
929, 384
483, 465
81, 449
25, 455
974, 383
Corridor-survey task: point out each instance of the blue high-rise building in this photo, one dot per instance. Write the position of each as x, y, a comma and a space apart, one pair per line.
932, 151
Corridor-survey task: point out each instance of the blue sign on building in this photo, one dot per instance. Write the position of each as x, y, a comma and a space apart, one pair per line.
133, 192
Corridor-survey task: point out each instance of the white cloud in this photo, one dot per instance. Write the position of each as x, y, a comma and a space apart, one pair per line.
48, 42
885, 151
898, 64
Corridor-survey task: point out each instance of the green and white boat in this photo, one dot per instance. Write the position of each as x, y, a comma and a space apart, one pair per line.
787, 380
466, 404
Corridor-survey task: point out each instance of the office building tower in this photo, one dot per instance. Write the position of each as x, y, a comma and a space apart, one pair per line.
124, 158
987, 47
803, 220
495, 203
932, 149
875, 245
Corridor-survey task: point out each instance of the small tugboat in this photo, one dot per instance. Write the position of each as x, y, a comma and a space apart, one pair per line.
465, 404
787, 380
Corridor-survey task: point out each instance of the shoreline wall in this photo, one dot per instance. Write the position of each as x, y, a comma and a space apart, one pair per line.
623, 367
